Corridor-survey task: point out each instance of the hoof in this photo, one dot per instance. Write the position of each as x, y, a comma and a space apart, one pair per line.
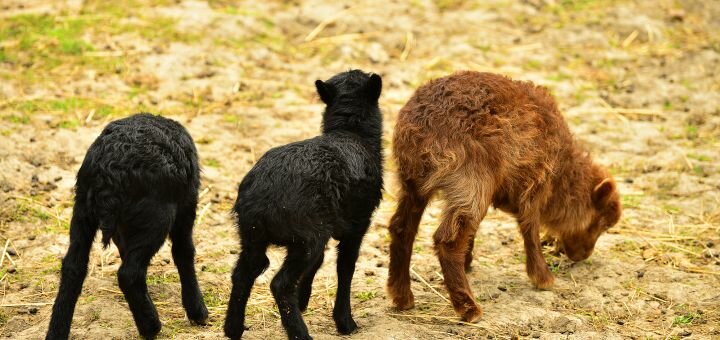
199, 317
472, 314
404, 302
346, 326
543, 283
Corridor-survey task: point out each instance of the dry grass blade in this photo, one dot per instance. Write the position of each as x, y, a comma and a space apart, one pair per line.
26, 304
321, 26
428, 285
409, 40
2, 256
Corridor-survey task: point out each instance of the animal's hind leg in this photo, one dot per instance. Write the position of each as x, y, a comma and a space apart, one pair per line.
74, 270
469, 253
141, 241
300, 259
183, 252
452, 253
403, 229
251, 263
466, 206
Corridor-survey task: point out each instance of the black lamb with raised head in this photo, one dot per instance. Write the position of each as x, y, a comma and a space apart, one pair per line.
301, 194
138, 184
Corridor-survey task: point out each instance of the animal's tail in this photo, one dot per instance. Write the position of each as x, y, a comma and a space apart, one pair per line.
107, 205
83, 228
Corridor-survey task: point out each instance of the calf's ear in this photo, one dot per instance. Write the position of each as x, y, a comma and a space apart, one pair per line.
601, 193
373, 88
326, 91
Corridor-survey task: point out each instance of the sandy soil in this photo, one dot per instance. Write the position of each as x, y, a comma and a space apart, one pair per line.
637, 81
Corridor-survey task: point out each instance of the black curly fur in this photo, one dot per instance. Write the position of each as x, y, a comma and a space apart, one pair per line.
301, 194
138, 184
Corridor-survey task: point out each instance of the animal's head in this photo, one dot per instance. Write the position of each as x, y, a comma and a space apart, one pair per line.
605, 211
352, 101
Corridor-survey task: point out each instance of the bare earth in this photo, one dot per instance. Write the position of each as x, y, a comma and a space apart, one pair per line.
637, 81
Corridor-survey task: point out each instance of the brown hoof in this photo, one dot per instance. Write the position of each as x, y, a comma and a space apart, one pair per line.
404, 303
472, 314
545, 282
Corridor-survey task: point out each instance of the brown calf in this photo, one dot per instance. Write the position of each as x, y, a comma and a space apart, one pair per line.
482, 139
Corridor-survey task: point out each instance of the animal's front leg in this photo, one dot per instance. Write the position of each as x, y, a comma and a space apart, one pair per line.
536, 266
348, 250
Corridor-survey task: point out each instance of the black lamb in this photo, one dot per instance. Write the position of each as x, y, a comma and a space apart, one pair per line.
138, 183
301, 194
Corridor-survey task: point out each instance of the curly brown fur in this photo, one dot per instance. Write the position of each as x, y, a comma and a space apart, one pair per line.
482, 139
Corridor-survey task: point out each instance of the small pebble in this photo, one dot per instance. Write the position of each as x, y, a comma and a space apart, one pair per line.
620, 322
369, 273
629, 180
33, 310
203, 268
685, 333
536, 335
640, 273
524, 333
12, 251
31, 237
710, 244
502, 288
233, 251
11, 269
495, 295
57, 179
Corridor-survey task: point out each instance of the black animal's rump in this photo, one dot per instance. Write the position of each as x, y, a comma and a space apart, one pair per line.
301, 194
138, 183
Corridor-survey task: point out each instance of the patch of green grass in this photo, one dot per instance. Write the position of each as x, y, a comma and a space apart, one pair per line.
69, 124
691, 131
365, 296
17, 119
231, 118
699, 157
630, 201
162, 278
51, 264
699, 170
45, 35
214, 298
221, 269
533, 64
211, 162
672, 209
684, 319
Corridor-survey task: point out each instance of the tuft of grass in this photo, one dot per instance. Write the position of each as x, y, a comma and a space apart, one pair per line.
211, 162
631, 201
684, 319
162, 278
17, 119
691, 131
215, 298
365, 296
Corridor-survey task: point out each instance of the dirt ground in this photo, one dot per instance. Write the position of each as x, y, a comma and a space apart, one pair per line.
637, 81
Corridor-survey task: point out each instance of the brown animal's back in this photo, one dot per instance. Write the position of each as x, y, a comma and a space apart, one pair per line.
509, 129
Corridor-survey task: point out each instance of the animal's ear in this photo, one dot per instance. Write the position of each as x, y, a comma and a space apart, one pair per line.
373, 87
326, 91
601, 193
